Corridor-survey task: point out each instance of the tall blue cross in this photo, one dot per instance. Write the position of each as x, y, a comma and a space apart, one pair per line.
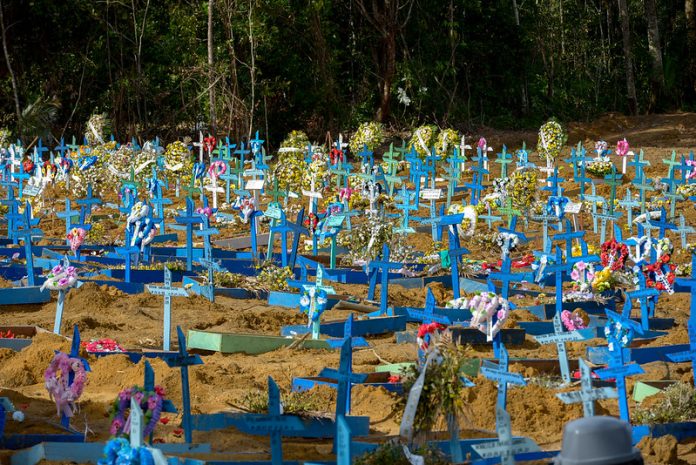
189, 219
638, 165
296, 229
27, 233
500, 374
407, 207
662, 224
182, 361
455, 252
381, 266
89, 201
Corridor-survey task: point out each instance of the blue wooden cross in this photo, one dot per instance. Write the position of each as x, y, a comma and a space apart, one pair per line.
560, 337
381, 266
671, 163
61, 147
39, 151
504, 159
275, 423
127, 252
489, 218
20, 178
89, 201
629, 203
406, 206
189, 219
167, 291
476, 184
644, 185
67, 215
684, 167
158, 200
74, 353
296, 229
587, 394
568, 236
205, 232
553, 183
367, 156
506, 447
646, 298
212, 266
594, 199
26, 233
454, 252
183, 361
689, 355
500, 374
617, 368
662, 224
638, 165
344, 377
683, 230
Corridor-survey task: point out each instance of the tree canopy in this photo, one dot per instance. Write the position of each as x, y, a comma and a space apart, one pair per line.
166, 67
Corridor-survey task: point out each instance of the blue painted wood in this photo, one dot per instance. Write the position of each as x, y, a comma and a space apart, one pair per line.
681, 431
366, 327
312, 427
93, 451
23, 296
641, 355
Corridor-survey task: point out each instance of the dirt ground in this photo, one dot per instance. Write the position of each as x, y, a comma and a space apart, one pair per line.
220, 384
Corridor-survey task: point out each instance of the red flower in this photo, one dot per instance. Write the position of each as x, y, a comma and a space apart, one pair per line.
164, 420
394, 379
209, 143
160, 391
178, 432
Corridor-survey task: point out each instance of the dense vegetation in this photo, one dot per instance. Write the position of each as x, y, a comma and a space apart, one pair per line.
169, 67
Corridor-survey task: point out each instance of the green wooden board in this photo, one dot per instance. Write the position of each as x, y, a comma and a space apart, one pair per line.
644, 389
252, 344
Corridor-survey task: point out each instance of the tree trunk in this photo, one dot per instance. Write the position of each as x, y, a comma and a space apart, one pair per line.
657, 76
18, 111
628, 58
690, 13
388, 58
211, 72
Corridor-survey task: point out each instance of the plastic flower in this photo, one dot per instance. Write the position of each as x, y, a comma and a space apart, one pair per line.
622, 147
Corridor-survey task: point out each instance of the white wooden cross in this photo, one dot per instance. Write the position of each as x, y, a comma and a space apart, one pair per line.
200, 146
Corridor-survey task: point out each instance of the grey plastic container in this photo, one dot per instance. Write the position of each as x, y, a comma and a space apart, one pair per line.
597, 441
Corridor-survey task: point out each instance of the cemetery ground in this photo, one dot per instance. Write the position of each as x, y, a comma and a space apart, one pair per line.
226, 382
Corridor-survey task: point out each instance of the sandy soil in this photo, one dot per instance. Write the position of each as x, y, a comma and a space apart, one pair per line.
221, 383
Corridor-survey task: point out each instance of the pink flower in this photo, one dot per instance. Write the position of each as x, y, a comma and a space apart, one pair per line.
622, 147
63, 282
57, 269
482, 143
575, 275
581, 266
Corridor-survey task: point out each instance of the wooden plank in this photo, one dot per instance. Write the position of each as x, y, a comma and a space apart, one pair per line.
24, 295
366, 327
237, 243
252, 344
26, 334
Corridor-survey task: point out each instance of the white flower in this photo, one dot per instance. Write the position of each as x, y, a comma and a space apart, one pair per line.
404, 99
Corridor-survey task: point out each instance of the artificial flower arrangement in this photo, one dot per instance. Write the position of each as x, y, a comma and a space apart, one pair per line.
97, 128
272, 277
369, 134
102, 345
446, 141
576, 251
76, 237
551, 139
661, 274
178, 162
687, 190
484, 306
56, 379
575, 320
289, 171
60, 278
150, 402
601, 165
422, 139
469, 221
582, 275
522, 188
614, 255
603, 281
364, 242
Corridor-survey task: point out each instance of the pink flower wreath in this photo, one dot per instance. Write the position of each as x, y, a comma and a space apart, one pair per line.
63, 393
